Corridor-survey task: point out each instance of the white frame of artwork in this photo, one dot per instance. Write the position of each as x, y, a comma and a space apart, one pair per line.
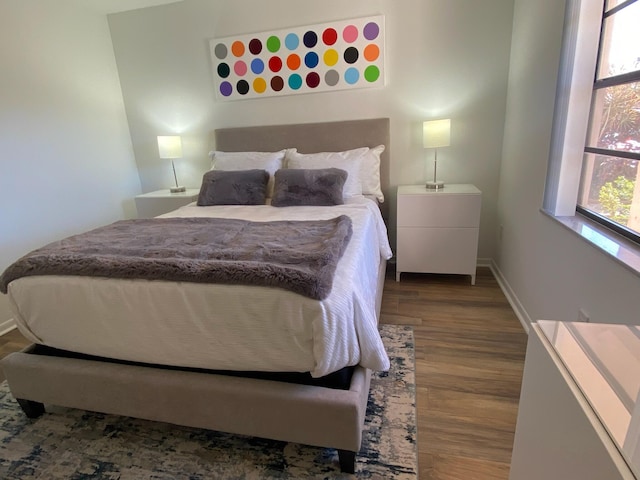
353, 58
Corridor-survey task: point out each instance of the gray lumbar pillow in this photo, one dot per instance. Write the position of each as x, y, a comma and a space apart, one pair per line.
233, 187
310, 187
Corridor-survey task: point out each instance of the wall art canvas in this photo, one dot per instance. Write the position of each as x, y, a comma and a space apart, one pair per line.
318, 58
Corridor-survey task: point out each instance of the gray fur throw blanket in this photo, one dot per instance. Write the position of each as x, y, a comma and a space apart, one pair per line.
300, 256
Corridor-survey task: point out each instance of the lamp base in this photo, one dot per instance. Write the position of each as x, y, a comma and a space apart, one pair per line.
434, 185
177, 189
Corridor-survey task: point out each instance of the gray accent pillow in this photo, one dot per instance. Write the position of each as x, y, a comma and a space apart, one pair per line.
233, 187
309, 187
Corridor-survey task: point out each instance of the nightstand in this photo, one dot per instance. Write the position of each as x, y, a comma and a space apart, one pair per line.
438, 230
156, 203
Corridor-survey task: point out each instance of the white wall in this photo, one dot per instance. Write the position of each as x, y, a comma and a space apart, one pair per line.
550, 270
66, 155
443, 58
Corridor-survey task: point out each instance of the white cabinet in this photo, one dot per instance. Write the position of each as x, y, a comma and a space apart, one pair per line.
438, 229
156, 203
559, 435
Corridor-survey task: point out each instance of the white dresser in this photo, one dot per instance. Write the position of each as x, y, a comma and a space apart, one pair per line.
156, 203
579, 410
438, 229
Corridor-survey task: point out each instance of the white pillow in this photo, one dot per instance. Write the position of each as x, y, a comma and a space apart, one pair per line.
269, 161
350, 161
370, 173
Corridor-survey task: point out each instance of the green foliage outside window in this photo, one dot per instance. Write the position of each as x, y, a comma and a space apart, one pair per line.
615, 199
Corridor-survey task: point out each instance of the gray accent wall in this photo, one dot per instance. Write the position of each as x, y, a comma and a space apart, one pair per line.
443, 58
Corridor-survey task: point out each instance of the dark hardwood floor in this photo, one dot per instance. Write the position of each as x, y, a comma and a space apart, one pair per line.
470, 350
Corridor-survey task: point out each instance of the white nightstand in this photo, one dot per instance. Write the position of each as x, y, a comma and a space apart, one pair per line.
156, 203
438, 230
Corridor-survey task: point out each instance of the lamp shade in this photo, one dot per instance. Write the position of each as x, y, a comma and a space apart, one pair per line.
436, 133
170, 146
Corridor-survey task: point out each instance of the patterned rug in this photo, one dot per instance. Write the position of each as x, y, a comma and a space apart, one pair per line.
74, 444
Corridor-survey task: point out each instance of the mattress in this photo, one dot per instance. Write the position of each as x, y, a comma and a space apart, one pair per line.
216, 326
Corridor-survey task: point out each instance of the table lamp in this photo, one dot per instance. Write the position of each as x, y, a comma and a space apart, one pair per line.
171, 147
435, 134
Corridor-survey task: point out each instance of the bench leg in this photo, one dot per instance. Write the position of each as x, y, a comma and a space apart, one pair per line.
347, 460
30, 408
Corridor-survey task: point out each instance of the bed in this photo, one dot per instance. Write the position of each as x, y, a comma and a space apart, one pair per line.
188, 371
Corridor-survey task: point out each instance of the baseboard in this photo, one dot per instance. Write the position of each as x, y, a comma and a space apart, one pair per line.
518, 308
484, 262
7, 326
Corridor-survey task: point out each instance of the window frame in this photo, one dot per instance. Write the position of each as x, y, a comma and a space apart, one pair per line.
576, 73
577, 69
600, 84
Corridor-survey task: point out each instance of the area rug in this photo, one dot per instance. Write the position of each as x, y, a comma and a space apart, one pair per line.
74, 444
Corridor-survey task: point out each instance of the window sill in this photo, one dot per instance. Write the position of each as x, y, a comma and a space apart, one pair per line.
610, 243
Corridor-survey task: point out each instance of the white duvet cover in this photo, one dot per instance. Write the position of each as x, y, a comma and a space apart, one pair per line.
215, 326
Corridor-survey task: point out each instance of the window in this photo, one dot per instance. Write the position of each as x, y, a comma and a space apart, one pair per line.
609, 187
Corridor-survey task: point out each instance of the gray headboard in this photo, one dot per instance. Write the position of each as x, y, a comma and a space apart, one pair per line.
312, 138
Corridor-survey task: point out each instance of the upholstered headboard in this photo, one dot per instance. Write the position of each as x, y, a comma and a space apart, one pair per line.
312, 138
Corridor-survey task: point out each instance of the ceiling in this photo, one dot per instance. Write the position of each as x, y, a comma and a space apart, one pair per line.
114, 6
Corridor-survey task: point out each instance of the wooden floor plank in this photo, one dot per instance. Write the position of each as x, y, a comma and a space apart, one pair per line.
470, 349
451, 467
500, 411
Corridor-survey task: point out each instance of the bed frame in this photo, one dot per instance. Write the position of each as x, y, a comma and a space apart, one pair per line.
303, 414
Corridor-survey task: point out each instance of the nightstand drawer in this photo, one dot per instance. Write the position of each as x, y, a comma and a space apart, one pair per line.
438, 210
437, 250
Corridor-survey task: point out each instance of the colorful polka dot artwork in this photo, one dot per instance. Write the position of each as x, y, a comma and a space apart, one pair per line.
318, 58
